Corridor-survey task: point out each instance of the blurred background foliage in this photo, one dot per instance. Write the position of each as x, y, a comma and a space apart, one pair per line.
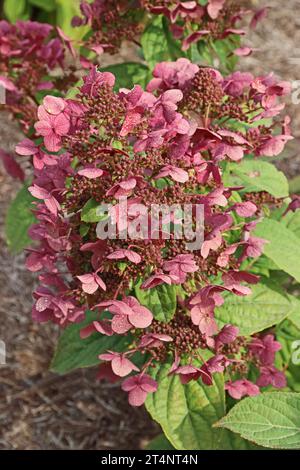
56, 12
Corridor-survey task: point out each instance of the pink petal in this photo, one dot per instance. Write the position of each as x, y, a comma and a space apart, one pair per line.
132, 119
243, 51
100, 282
61, 124
91, 173
133, 257
87, 331
85, 278
141, 317
7, 84
90, 288
11, 165
43, 128
130, 383
172, 95
194, 37
26, 147
128, 184
53, 104
108, 356
122, 366
52, 142
52, 205
148, 384
103, 327
120, 324
179, 175
214, 7
137, 397
246, 209
38, 192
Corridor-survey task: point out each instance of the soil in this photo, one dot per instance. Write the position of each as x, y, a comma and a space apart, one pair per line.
41, 410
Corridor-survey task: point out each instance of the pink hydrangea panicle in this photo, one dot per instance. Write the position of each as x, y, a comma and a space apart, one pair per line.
167, 145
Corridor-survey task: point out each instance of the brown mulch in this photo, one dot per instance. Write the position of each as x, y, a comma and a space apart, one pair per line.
41, 410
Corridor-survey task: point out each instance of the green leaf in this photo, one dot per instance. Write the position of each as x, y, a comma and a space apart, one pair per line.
19, 218
224, 49
283, 247
47, 5
294, 223
91, 212
294, 316
158, 44
257, 175
84, 230
288, 358
200, 53
263, 265
295, 185
73, 352
186, 413
161, 300
15, 10
271, 420
74, 90
159, 443
65, 11
174, 46
262, 309
128, 74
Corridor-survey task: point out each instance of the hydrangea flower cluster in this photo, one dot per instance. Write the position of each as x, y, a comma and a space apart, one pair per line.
167, 145
114, 21
29, 53
191, 22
